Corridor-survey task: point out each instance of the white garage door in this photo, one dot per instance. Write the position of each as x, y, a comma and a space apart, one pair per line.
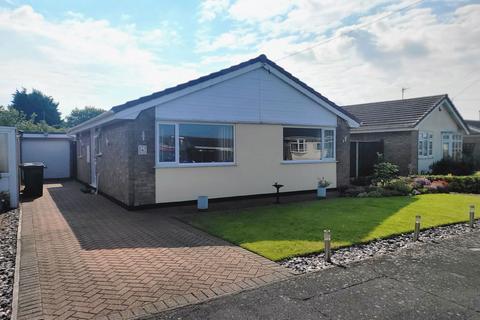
54, 153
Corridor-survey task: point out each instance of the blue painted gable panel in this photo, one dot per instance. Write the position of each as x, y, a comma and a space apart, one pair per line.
254, 97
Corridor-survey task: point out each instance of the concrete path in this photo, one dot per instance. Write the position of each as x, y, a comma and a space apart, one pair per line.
83, 257
435, 281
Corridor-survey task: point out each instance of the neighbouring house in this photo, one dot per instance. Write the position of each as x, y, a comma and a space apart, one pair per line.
472, 142
231, 133
53, 149
412, 133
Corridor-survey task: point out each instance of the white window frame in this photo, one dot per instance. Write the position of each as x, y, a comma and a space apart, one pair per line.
421, 141
298, 143
324, 160
177, 163
451, 142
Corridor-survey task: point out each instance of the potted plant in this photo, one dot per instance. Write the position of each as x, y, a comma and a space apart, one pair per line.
322, 188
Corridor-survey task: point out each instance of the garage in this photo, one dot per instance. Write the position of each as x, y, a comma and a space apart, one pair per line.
53, 149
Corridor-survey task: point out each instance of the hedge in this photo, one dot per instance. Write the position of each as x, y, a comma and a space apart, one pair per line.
461, 184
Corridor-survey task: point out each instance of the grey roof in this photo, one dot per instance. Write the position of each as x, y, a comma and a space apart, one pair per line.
396, 114
473, 125
261, 58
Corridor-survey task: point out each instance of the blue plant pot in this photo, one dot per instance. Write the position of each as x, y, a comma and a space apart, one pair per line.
202, 203
321, 192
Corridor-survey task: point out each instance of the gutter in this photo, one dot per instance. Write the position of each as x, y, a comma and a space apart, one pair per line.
102, 118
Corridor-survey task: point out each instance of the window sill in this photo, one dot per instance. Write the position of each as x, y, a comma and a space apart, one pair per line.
194, 165
4, 174
425, 158
307, 161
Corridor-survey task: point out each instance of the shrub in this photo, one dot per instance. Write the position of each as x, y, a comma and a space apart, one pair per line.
461, 184
451, 166
384, 172
438, 186
400, 186
374, 194
362, 181
420, 182
352, 191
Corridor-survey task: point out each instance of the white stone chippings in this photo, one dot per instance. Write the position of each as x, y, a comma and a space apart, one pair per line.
375, 248
8, 245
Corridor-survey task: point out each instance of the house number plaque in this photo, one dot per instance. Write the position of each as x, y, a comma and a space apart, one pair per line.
142, 149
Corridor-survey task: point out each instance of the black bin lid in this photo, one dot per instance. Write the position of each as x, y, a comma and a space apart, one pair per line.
32, 165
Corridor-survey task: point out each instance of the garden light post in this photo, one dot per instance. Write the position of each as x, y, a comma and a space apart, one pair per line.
472, 216
416, 233
327, 237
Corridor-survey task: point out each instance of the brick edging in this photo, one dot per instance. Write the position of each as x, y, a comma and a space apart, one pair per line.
16, 276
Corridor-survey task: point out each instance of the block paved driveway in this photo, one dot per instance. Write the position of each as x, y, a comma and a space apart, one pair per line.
84, 257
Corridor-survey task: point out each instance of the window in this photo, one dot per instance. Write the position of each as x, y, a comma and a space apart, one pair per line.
188, 143
425, 144
299, 146
3, 152
202, 143
166, 143
308, 144
96, 141
452, 145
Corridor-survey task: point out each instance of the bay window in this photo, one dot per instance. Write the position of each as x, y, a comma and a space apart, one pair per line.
195, 144
308, 144
425, 144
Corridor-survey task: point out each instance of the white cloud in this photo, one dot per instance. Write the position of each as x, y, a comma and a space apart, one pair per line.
428, 51
209, 9
239, 38
259, 10
81, 61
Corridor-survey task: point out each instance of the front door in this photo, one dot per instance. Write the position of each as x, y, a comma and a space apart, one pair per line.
93, 158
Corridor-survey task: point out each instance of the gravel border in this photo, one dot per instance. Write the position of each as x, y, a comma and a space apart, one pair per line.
347, 255
8, 245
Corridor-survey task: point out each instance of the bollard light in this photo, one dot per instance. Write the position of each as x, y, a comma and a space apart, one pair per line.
472, 216
327, 237
416, 233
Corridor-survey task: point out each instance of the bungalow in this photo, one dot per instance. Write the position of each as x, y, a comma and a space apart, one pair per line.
412, 133
231, 133
472, 142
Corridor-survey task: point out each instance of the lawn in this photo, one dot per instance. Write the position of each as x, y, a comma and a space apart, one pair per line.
281, 231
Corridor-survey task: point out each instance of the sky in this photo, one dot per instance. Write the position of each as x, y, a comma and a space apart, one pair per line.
104, 53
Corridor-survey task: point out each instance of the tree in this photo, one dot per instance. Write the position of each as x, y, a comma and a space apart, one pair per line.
78, 116
11, 117
36, 103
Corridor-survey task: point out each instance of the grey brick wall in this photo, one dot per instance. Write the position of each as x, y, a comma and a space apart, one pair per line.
143, 166
343, 153
123, 174
400, 147
83, 168
113, 162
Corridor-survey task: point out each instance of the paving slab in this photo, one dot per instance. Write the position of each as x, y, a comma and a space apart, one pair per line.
84, 257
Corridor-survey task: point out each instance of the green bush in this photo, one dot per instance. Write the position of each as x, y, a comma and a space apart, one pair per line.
401, 186
461, 184
451, 166
384, 172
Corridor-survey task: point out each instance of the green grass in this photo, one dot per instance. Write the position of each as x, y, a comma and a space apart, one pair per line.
279, 232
